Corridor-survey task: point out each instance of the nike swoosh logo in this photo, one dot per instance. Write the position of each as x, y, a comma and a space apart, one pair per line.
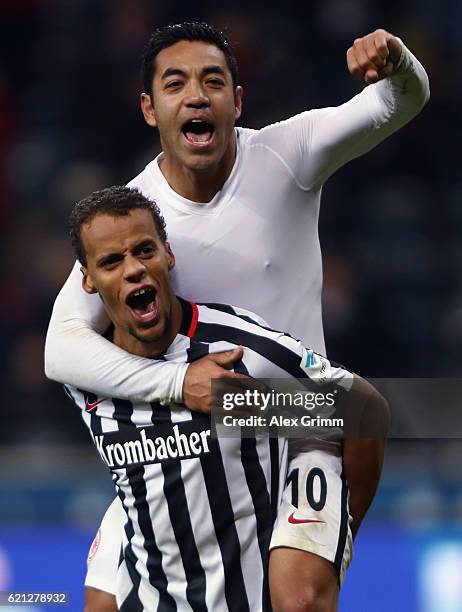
296, 521
90, 406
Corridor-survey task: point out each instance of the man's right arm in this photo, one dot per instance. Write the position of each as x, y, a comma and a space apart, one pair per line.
76, 354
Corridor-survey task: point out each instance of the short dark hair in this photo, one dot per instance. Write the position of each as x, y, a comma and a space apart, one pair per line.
117, 201
167, 36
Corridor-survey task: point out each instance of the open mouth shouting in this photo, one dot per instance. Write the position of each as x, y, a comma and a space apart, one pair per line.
198, 132
143, 305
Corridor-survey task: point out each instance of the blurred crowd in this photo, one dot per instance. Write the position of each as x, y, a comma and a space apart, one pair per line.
390, 222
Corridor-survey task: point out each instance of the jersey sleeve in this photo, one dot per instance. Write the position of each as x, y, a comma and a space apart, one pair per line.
269, 353
248, 314
314, 366
314, 144
76, 353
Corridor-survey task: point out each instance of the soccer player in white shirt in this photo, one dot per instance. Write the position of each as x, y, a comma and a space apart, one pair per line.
242, 208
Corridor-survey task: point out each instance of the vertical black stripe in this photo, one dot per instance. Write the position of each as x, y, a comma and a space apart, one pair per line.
274, 458
225, 528
121, 555
132, 602
274, 453
343, 532
160, 414
182, 528
157, 577
123, 411
256, 482
175, 495
197, 350
186, 316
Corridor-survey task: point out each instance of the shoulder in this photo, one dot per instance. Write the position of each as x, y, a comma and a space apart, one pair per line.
146, 180
268, 133
267, 352
287, 142
212, 311
241, 327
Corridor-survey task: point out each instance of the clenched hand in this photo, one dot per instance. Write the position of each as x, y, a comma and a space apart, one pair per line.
374, 56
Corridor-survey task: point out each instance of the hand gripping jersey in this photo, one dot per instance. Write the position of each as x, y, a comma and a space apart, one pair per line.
199, 510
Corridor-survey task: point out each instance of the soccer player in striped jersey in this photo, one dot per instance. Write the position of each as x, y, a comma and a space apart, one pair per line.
199, 510
242, 208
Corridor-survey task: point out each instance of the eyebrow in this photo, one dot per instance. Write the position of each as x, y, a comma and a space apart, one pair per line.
205, 71
144, 243
109, 258
213, 70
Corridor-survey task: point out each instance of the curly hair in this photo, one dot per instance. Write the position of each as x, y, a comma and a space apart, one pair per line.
117, 201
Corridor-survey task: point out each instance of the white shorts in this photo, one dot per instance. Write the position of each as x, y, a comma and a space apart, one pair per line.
313, 515
105, 552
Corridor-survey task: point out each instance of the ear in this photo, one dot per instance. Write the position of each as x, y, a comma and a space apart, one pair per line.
147, 108
170, 257
87, 283
238, 97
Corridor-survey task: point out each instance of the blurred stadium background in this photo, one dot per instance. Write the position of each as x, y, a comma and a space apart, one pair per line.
390, 229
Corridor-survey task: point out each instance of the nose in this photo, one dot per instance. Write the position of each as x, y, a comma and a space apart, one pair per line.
134, 269
196, 96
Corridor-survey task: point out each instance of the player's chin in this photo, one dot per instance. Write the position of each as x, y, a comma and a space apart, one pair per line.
201, 158
147, 332
202, 162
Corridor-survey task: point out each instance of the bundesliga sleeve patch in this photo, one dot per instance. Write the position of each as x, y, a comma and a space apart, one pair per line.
316, 366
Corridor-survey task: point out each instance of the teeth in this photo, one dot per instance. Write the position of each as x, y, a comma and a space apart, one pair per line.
139, 292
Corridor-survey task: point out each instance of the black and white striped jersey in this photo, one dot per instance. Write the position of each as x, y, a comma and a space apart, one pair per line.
200, 510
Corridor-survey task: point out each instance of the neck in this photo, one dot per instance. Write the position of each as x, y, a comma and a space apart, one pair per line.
131, 343
199, 185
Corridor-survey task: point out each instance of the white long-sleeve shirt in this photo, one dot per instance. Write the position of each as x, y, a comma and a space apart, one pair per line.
255, 244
